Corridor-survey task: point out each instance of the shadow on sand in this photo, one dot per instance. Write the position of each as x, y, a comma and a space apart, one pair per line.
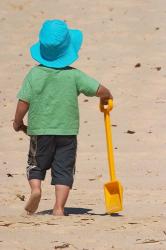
78, 211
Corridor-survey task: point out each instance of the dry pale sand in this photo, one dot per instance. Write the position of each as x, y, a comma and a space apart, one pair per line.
118, 35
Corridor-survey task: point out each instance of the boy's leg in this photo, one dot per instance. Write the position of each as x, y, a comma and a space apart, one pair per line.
61, 194
39, 160
35, 196
62, 169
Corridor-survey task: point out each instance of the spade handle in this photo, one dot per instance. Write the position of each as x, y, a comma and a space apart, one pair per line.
106, 110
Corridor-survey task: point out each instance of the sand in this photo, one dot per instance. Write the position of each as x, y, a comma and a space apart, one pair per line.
124, 48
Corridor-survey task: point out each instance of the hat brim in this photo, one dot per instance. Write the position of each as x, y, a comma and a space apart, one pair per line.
70, 56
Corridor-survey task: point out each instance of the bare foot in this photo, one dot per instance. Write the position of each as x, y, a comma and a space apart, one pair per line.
59, 212
33, 203
29, 213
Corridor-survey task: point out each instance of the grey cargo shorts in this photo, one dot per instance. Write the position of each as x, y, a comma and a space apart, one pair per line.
55, 152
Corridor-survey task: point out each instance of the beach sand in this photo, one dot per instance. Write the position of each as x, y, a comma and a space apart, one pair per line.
124, 48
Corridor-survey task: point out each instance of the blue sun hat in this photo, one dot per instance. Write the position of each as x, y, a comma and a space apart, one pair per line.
58, 45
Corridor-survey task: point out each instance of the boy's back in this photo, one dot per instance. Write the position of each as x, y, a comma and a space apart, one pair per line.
52, 95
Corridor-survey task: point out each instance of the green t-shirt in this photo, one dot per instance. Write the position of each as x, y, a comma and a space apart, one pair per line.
53, 98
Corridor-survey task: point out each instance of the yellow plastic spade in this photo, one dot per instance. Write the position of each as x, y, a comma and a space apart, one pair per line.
113, 190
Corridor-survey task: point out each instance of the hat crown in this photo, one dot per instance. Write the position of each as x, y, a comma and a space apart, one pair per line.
54, 39
58, 45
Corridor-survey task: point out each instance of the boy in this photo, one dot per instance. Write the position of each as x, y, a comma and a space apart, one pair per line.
50, 95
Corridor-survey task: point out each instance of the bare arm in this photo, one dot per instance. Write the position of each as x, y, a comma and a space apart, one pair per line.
104, 95
21, 110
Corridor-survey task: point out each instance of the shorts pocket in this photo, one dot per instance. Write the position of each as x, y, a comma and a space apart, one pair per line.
32, 151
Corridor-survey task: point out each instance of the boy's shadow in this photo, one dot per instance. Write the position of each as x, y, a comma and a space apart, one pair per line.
76, 211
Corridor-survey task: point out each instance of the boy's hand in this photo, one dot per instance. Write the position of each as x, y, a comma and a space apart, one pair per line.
20, 127
104, 95
18, 124
24, 129
104, 101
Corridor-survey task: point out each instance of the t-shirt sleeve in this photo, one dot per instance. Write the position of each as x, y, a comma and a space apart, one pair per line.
25, 91
86, 84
